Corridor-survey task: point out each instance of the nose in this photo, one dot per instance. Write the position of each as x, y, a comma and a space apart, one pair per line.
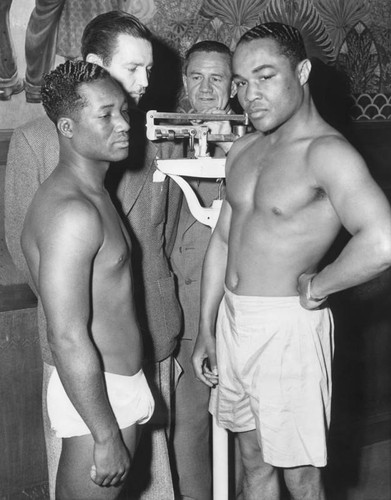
143, 77
122, 124
205, 85
252, 92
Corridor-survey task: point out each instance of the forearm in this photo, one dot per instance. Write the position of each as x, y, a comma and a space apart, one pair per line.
81, 374
212, 284
212, 290
362, 259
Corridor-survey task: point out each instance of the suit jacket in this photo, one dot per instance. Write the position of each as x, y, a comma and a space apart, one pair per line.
188, 255
150, 209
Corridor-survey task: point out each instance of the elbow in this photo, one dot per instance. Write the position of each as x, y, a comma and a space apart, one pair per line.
382, 251
61, 343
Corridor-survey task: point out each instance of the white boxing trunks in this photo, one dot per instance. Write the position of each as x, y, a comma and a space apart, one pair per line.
274, 360
129, 396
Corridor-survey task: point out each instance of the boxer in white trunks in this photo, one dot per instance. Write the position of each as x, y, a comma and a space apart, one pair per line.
290, 186
78, 252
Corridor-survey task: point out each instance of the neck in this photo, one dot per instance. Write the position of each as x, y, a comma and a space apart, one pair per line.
89, 173
300, 121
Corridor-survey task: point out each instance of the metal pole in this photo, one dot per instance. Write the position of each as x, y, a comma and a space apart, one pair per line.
220, 462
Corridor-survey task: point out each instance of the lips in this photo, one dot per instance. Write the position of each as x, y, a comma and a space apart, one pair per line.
256, 112
123, 143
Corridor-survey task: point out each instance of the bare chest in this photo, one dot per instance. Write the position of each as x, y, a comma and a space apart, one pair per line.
114, 255
274, 184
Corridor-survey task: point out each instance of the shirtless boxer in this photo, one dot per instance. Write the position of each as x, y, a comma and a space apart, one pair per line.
290, 187
78, 253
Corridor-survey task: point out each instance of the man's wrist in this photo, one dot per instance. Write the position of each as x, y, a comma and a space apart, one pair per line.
309, 295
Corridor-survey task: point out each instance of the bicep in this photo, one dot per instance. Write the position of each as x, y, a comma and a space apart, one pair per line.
357, 199
65, 277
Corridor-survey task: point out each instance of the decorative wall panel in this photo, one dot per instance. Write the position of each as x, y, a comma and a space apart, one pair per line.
352, 35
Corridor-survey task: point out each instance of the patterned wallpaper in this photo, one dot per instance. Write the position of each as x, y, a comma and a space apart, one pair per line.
354, 36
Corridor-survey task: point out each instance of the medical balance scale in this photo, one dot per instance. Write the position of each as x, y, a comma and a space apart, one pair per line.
192, 127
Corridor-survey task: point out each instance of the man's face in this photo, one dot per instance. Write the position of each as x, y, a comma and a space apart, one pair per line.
268, 88
208, 81
101, 127
131, 64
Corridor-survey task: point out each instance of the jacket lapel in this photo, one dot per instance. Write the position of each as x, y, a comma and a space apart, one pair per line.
135, 176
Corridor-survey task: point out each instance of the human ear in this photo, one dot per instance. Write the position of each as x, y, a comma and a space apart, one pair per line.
304, 70
65, 127
95, 59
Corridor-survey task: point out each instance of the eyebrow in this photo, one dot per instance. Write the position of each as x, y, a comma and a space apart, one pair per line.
198, 72
106, 106
138, 64
256, 70
262, 67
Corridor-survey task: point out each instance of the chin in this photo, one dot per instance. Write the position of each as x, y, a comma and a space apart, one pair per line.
121, 155
262, 125
205, 106
135, 99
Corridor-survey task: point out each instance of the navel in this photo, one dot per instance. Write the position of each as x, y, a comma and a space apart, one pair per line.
277, 211
320, 194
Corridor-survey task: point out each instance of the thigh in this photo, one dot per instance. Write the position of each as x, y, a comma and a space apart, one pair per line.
258, 476
250, 451
73, 476
304, 483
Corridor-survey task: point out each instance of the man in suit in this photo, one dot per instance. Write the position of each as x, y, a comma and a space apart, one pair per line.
207, 78
122, 45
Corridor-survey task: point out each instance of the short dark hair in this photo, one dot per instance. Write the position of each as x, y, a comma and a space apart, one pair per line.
288, 38
101, 33
60, 96
206, 46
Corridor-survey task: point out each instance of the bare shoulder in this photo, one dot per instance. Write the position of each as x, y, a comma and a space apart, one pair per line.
240, 145
330, 155
245, 142
73, 221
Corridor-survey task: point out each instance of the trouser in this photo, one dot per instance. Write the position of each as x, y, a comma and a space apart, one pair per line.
151, 473
40, 46
191, 435
8, 69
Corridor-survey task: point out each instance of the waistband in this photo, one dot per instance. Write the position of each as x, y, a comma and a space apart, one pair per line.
271, 301
116, 376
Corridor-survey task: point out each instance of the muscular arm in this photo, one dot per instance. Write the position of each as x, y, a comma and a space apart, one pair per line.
363, 210
212, 291
67, 251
